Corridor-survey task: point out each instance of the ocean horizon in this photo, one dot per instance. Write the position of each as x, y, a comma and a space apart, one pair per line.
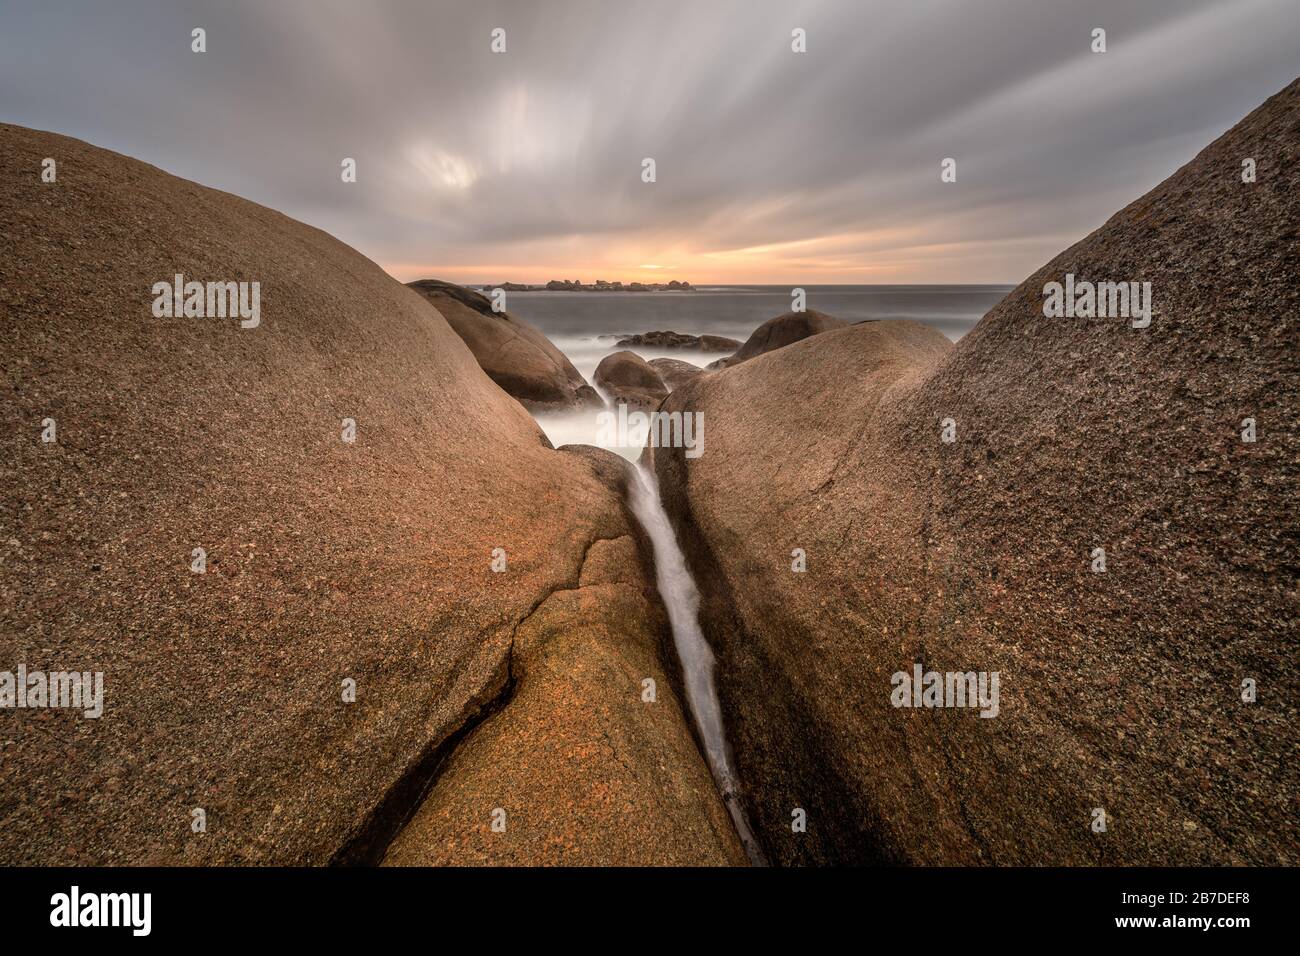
587, 326
736, 310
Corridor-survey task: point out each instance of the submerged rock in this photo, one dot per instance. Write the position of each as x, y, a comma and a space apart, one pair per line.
515, 355
952, 503
680, 340
349, 473
630, 380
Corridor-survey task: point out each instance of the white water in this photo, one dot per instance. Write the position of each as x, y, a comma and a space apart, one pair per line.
676, 586
682, 600
582, 427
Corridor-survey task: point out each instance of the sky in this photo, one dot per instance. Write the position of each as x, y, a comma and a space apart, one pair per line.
771, 166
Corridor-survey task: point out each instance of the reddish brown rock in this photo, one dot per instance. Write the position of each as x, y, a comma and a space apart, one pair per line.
580, 750
327, 561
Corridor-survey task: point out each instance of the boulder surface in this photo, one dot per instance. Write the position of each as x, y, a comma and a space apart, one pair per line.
674, 372
351, 476
515, 355
555, 763
630, 380
779, 332
952, 504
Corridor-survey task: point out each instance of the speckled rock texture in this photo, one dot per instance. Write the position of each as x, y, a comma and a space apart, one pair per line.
630, 380
584, 768
326, 560
779, 332
515, 354
674, 372
1119, 691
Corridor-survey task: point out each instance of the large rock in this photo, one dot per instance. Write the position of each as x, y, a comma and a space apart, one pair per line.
515, 354
779, 332
585, 769
327, 562
674, 372
630, 380
1120, 692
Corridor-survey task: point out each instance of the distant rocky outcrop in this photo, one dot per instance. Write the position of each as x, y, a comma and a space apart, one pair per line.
953, 505
515, 355
600, 285
680, 340
674, 372
630, 380
344, 476
779, 332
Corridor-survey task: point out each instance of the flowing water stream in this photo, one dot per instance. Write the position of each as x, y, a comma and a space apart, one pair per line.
682, 600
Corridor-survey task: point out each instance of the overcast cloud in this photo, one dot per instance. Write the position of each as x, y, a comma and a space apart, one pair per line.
772, 166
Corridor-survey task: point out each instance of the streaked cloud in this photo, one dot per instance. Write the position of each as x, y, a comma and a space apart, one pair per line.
772, 166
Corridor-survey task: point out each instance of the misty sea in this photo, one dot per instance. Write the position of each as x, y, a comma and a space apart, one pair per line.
587, 325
